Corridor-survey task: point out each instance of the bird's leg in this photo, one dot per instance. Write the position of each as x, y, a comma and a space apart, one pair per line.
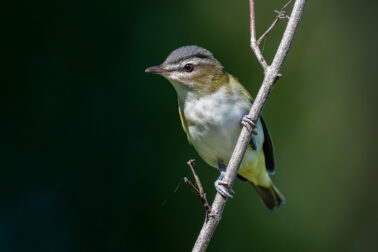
250, 125
253, 143
219, 182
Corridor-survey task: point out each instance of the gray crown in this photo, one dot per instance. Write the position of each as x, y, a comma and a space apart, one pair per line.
186, 52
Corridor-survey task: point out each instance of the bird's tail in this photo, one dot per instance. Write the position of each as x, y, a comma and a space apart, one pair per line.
270, 196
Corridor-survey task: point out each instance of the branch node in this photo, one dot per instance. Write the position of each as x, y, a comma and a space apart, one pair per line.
281, 14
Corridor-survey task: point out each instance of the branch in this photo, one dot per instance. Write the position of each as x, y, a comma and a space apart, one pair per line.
255, 47
200, 192
272, 73
280, 15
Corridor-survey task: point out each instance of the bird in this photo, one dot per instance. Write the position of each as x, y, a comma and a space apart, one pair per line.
213, 106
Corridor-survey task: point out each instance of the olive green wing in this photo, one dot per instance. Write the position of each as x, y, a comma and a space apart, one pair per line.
184, 123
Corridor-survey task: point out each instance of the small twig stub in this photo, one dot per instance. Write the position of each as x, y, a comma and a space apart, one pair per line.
199, 189
280, 15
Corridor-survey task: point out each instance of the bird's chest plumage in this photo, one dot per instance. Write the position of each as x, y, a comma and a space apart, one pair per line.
213, 123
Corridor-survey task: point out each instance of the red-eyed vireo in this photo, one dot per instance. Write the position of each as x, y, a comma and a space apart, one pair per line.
212, 106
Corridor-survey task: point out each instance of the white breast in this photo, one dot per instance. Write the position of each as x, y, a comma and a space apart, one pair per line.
215, 123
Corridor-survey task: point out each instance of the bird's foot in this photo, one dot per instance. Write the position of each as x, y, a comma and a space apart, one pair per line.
222, 187
249, 124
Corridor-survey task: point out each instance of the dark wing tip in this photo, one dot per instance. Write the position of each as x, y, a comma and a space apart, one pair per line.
268, 149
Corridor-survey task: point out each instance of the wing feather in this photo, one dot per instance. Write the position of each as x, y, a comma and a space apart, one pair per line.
183, 123
268, 149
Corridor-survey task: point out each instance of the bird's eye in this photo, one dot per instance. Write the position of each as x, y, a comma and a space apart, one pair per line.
188, 67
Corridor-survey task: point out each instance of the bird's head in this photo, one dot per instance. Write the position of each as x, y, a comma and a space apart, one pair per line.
192, 68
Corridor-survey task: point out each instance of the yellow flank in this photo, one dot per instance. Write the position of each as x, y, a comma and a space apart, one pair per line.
255, 171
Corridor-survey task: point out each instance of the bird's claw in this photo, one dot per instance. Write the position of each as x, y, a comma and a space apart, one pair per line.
249, 124
222, 191
222, 187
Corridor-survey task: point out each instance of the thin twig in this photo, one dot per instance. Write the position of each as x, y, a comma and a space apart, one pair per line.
271, 75
199, 191
280, 15
188, 182
255, 47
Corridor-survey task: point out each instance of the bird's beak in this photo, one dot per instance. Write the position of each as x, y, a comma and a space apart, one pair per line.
155, 70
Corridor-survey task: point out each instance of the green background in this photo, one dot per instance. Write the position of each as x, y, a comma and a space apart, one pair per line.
92, 154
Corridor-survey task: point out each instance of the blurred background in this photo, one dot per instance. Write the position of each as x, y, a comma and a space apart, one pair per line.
92, 154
